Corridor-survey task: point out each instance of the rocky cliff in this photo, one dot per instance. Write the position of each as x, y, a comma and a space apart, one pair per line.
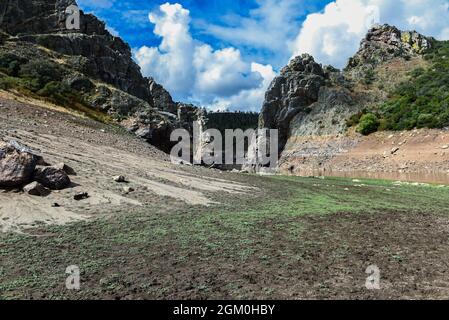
308, 99
90, 66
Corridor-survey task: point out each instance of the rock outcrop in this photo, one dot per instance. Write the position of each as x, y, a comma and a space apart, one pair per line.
292, 92
101, 55
95, 65
384, 43
307, 99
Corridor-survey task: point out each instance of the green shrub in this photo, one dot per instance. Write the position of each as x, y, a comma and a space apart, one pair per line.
10, 64
39, 72
369, 123
370, 77
56, 92
423, 101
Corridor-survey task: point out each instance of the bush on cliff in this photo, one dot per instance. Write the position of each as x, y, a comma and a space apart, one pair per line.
423, 101
39, 72
368, 124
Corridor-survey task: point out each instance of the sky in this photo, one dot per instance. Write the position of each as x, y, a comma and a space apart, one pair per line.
224, 53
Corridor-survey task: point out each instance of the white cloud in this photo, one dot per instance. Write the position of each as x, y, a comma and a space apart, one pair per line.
332, 36
268, 27
195, 71
251, 99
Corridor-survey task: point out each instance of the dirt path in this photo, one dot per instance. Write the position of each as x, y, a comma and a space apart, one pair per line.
97, 153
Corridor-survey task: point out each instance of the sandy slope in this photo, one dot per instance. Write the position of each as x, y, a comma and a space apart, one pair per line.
97, 152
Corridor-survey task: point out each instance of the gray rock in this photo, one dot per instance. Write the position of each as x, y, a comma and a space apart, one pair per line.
52, 178
120, 179
128, 189
36, 189
64, 167
17, 165
296, 88
95, 56
384, 43
161, 98
81, 196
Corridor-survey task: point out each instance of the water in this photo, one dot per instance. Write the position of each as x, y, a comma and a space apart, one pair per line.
423, 177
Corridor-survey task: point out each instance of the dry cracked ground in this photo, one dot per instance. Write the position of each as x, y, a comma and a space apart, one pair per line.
193, 233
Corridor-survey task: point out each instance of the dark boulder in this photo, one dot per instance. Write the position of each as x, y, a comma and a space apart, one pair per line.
17, 165
52, 178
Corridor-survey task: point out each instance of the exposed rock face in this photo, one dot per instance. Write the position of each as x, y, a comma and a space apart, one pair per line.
107, 58
291, 93
17, 165
95, 64
161, 98
383, 43
307, 99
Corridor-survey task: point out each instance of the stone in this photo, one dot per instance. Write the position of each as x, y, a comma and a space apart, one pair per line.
17, 165
394, 150
119, 179
292, 92
96, 65
161, 98
52, 178
66, 168
128, 189
36, 189
384, 43
81, 196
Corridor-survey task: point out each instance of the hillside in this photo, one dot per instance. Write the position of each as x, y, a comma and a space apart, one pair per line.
86, 70
396, 81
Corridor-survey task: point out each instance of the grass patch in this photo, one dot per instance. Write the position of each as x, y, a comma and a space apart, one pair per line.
129, 248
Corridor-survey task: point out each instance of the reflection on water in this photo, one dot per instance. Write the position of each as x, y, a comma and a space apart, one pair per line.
425, 177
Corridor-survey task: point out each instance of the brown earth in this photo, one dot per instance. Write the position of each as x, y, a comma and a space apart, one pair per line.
97, 152
418, 155
176, 236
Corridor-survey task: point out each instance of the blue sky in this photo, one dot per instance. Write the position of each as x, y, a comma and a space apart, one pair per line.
130, 19
224, 53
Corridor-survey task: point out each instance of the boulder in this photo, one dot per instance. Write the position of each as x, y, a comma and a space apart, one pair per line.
52, 178
17, 165
36, 189
64, 167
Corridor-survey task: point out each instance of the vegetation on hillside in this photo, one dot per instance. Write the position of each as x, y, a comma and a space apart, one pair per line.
420, 102
369, 123
44, 79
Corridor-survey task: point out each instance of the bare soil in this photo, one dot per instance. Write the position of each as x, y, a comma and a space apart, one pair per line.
97, 152
421, 155
194, 233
